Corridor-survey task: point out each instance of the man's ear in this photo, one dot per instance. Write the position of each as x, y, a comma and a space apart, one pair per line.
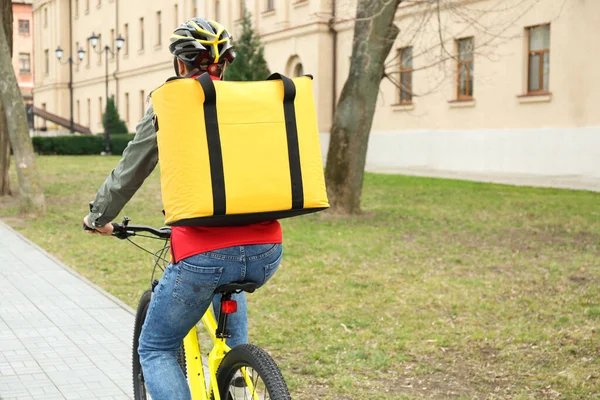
182, 68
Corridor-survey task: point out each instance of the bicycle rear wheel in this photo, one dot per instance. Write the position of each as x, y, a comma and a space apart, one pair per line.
264, 375
139, 385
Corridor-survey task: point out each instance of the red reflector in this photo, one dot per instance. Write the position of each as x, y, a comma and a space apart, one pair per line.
229, 306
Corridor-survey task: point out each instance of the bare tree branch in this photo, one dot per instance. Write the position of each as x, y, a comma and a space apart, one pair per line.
492, 38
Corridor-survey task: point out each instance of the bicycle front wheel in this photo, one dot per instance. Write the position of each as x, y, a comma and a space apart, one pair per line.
248, 372
139, 385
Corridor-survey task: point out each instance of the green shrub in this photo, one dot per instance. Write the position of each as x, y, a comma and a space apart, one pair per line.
80, 145
115, 124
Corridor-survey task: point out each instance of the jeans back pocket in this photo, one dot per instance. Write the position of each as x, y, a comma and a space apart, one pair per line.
194, 285
272, 267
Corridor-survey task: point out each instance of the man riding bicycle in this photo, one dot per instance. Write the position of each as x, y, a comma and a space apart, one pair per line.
203, 258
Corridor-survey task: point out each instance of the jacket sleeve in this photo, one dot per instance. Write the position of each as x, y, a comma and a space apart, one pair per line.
138, 161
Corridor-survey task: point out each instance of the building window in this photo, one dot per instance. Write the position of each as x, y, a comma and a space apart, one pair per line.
44, 126
78, 113
141, 33
126, 32
24, 63
242, 8
158, 28
176, 15
77, 63
100, 110
539, 58
195, 11
46, 62
127, 107
142, 101
298, 70
112, 43
89, 113
45, 17
270, 5
100, 47
24, 27
89, 55
217, 10
465, 69
406, 70
87, 6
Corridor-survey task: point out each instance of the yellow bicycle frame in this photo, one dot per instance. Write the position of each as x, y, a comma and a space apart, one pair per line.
195, 369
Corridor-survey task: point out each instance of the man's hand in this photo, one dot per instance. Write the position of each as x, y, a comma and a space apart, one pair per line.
105, 230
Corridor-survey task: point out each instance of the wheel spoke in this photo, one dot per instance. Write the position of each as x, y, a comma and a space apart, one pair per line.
255, 383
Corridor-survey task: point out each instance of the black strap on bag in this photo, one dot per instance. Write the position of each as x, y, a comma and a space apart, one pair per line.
213, 138
289, 95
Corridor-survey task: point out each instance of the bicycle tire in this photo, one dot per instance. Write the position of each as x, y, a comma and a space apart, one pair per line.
139, 387
249, 355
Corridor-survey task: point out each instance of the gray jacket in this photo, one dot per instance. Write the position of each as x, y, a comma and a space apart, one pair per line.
138, 161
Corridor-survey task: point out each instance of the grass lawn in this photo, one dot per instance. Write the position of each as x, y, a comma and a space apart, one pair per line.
442, 289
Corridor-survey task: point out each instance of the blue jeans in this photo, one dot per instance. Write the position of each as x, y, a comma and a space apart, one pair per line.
184, 293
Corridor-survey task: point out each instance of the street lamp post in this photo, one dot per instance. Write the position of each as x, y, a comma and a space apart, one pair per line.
119, 42
80, 53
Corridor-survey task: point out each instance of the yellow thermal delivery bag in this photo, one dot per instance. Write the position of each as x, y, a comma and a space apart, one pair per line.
235, 153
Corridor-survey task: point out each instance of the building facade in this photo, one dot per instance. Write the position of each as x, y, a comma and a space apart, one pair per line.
23, 56
490, 86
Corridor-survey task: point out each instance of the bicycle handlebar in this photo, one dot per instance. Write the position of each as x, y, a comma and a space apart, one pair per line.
124, 230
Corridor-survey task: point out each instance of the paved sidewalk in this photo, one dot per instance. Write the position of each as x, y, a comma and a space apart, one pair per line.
61, 337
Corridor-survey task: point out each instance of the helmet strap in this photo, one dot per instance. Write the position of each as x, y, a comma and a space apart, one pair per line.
193, 72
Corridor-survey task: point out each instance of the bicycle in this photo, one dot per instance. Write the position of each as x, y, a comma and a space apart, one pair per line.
244, 372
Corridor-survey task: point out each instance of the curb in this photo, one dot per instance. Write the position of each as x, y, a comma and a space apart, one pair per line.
71, 271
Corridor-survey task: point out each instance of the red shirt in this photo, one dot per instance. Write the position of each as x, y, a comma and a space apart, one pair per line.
187, 241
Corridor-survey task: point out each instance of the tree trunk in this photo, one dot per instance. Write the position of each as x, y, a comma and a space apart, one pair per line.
4, 154
6, 14
32, 196
374, 36
7, 19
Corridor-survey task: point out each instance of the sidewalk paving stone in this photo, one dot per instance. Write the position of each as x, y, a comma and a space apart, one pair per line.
61, 337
